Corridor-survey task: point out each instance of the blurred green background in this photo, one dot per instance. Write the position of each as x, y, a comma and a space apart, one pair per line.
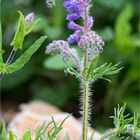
43, 77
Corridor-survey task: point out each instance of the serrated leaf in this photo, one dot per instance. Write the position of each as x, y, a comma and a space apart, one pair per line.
27, 135
20, 33
20, 62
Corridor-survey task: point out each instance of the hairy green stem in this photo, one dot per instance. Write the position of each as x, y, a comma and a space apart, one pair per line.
85, 98
85, 111
86, 86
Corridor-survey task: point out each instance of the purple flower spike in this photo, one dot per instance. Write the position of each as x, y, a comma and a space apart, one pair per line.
77, 10
29, 18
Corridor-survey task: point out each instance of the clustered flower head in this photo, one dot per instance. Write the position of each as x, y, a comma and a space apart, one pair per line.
62, 47
90, 39
56, 46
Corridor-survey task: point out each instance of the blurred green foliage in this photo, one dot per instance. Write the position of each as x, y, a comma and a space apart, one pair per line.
43, 77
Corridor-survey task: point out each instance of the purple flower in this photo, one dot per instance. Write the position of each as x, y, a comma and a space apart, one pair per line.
71, 5
29, 18
72, 25
74, 38
73, 16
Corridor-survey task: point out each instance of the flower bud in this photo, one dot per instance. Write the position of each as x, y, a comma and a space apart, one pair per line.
29, 19
56, 46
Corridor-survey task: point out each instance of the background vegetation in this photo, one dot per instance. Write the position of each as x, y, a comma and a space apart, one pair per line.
43, 77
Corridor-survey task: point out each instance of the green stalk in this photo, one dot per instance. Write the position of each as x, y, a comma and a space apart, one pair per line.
86, 86
85, 111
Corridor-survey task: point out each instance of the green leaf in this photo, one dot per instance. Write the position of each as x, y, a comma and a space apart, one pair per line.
27, 135
41, 130
3, 135
55, 130
92, 67
20, 62
136, 123
72, 71
12, 136
103, 70
20, 33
